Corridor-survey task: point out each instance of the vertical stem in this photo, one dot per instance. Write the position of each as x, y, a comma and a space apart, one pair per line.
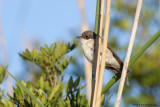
101, 16
101, 21
96, 28
104, 52
124, 71
9, 83
87, 64
88, 77
96, 54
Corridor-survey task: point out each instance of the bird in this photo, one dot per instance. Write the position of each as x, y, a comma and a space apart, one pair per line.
113, 63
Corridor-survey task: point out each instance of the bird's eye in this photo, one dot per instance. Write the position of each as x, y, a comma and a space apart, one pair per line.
87, 37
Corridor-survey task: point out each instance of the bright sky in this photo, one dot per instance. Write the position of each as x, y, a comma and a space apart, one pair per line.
46, 21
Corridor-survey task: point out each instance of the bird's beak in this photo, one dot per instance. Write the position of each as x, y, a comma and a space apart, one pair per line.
78, 37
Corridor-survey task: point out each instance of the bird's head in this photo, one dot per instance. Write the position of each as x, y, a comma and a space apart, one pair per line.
87, 36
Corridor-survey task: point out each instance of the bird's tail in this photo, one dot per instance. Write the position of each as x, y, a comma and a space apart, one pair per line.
127, 81
128, 70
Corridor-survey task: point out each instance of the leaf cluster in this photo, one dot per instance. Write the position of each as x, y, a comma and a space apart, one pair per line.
48, 90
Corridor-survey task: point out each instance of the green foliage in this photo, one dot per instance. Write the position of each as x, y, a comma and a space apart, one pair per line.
8, 103
2, 77
50, 58
48, 90
2, 73
73, 93
19, 95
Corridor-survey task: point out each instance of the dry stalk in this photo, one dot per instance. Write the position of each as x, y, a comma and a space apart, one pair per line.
4, 52
88, 65
99, 49
104, 52
124, 71
96, 59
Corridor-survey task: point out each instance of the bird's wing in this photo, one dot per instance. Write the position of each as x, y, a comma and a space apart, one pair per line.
117, 57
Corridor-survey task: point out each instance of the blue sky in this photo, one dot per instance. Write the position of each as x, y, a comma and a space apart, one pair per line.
46, 21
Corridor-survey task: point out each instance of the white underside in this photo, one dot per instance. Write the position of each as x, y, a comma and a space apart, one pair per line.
88, 45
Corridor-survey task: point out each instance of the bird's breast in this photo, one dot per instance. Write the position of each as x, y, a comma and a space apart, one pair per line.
88, 52
110, 59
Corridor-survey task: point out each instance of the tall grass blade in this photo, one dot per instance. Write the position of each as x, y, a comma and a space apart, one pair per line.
96, 20
143, 49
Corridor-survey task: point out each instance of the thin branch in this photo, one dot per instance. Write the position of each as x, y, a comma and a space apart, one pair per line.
104, 52
55, 79
127, 58
50, 79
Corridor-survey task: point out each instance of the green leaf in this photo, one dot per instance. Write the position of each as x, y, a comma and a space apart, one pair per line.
61, 103
70, 83
68, 102
40, 92
19, 90
133, 59
74, 45
66, 88
53, 47
102, 99
46, 48
60, 67
10, 97
2, 73
60, 90
108, 98
64, 62
28, 84
43, 99
41, 81
46, 85
76, 83
54, 90
27, 91
78, 97
83, 86
112, 81
84, 101
8, 103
